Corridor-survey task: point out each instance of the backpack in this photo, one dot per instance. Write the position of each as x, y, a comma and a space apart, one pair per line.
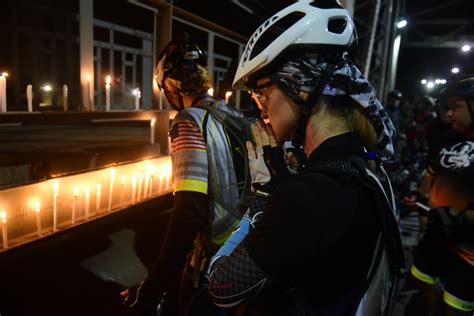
239, 130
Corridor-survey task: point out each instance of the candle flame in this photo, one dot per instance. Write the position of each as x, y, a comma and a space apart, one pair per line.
75, 191
108, 80
98, 187
89, 77
5, 74
136, 91
37, 205
3, 216
211, 92
112, 172
228, 94
56, 187
152, 122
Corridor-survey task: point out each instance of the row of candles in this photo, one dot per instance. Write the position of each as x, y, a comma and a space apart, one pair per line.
47, 88
142, 187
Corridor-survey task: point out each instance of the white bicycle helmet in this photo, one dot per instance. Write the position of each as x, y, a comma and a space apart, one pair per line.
307, 26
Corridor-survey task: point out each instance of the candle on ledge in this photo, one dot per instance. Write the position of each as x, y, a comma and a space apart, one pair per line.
152, 131
98, 196
160, 99
107, 93
227, 96
3, 216
55, 205
37, 207
138, 95
134, 188
111, 188
3, 92
89, 93
29, 97
210, 92
122, 190
87, 199
65, 97
74, 203
146, 188
140, 182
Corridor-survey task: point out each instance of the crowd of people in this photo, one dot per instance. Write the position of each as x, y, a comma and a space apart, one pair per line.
319, 231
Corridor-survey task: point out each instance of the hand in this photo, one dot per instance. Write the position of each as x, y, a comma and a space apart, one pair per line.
266, 160
446, 216
139, 301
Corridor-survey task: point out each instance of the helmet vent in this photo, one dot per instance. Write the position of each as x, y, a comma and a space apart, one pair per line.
337, 25
275, 30
326, 4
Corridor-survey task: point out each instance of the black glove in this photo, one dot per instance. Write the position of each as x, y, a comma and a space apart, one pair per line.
266, 161
141, 300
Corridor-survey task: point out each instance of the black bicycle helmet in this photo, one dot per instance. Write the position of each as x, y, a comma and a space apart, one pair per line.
178, 59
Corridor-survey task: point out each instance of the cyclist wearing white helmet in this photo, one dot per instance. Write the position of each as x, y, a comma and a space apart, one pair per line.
324, 241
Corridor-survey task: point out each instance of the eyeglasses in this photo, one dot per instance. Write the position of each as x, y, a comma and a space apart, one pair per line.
259, 96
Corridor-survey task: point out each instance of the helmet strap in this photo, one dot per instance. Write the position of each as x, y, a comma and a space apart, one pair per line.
307, 107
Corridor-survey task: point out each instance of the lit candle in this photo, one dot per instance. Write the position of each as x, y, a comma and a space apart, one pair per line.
65, 97
122, 189
137, 95
88, 93
111, 188
160, 180
168, 176
55, 205
147, 184
152, 131
107, 93
227, 96
210, 92
3, 92
29, 97
140, 182
98, 196
74, 202
134, 188
87, 199
3, 216
37, 207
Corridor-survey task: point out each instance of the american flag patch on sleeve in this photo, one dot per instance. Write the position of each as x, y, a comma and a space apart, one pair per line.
186, 136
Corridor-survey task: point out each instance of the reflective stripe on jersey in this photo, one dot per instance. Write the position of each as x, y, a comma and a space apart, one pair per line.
202, 162
457, 303
423, 276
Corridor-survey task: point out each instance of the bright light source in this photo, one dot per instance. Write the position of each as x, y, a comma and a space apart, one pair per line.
443, 81
466, 48
211, 92
424, 81
4, 74
108, 80
455, 70
430, 85
438, 81
402, 24
46, 88
136, 91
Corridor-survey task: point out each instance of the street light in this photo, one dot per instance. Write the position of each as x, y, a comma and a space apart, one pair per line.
402, 23
466, 48
424, 81
443, 81
455, 70
430, 85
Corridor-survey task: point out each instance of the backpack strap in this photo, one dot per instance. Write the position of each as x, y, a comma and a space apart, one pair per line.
222, 117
